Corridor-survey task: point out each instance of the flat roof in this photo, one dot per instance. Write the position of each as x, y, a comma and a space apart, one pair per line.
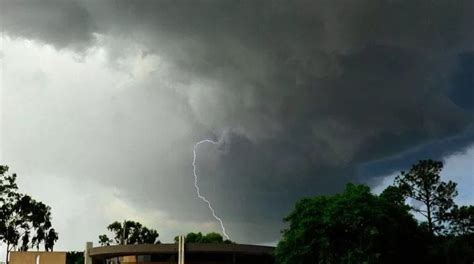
149, 249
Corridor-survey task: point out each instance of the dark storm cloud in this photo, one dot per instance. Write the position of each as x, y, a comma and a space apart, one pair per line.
433, 150
462, 92
307, 90
65, 24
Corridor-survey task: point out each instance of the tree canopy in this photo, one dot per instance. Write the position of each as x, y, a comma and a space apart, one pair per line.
357, 226
207, 238
462, 220
129, 232
352, 227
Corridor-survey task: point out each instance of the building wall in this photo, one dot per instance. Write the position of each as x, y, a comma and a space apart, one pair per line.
194, 254
201, 258
44, 257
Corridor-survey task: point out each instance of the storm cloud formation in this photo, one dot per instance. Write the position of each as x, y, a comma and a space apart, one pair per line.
307, 94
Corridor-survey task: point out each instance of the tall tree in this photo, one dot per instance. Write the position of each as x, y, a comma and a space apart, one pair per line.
423, 184
129, 232
8, 196
23, 220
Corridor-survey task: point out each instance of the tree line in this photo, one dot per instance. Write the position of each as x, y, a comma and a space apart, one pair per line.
414, 220
129, 232
132, 232
357, 226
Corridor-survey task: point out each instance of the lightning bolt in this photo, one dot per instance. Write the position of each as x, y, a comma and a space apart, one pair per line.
197, 186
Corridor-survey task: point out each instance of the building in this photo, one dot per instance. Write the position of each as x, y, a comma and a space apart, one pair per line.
179, 253
36, 257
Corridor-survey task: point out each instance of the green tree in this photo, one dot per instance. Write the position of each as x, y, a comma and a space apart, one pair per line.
129, 232
23, 220
207, 238
353, 227
423, 184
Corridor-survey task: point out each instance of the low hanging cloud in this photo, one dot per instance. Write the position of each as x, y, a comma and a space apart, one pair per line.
305, 93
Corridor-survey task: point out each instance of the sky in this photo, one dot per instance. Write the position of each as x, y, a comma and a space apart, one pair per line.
102, 101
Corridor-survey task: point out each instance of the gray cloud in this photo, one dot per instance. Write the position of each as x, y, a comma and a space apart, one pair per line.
65, 24
305, 91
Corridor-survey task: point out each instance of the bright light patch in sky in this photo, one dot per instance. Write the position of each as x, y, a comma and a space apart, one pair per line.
34, 90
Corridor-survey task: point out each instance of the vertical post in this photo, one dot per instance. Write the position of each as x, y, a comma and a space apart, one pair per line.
181, 250
87, 258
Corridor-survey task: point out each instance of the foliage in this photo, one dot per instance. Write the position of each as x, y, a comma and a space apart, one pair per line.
51, 239
422, 183
104, 240
207, 238
357, 226
24, 222
353, 227
130, 232
74, 257
462, 220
